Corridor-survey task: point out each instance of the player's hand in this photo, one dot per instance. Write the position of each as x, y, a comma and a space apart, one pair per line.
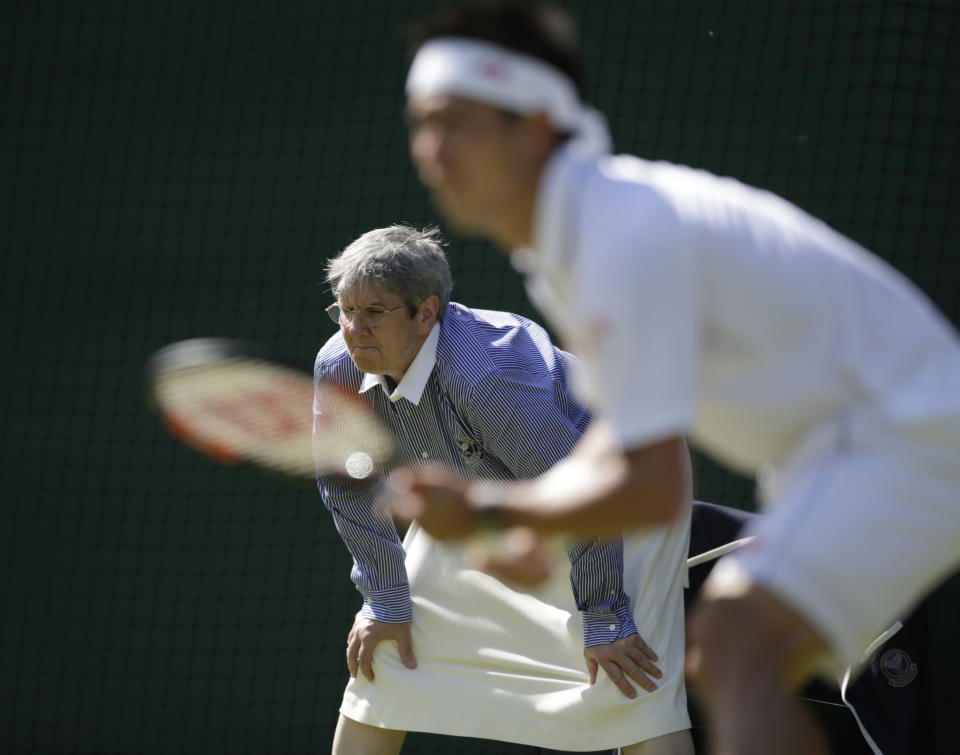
364, 637
624, 659
516, 556
435, 498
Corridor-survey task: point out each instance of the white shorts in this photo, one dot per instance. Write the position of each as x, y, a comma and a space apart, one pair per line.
862, 524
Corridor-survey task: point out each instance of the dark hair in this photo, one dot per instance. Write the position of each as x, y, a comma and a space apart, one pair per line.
534, 28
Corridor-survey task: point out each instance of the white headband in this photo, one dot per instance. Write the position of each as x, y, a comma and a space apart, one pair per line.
511, 80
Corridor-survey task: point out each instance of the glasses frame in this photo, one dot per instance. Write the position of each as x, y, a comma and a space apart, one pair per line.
342, 315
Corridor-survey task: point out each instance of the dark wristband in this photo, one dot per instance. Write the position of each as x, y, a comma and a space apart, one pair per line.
486, 496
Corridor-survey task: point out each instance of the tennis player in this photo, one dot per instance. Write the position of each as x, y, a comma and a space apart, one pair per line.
487, 394
701, 307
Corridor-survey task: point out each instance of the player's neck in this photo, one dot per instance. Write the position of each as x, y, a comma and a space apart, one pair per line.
514, 232
514, 227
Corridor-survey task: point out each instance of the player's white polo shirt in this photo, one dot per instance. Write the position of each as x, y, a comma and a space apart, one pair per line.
705, 307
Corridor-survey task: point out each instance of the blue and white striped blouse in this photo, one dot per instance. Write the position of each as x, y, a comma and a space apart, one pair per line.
497, 404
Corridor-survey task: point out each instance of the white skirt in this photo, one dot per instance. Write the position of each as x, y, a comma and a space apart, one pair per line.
495, 663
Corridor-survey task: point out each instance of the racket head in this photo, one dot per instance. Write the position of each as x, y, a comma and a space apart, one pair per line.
231, 402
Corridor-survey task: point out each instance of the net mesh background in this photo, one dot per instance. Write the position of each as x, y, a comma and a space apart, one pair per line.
182, 169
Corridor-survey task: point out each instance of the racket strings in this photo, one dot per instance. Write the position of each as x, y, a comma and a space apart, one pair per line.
242, 410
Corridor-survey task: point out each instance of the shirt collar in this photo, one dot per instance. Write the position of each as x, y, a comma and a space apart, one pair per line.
414, 380
547, 264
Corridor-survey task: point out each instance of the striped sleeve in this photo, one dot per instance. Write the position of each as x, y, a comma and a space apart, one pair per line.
596, 575
367, 530
378, 557
523, 423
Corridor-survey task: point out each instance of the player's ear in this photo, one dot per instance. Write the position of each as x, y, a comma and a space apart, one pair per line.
540, 121
539, 136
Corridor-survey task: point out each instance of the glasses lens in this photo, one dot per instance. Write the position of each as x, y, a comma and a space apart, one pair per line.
371, 315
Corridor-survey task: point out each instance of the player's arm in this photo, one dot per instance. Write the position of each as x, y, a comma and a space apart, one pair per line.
541, 429
638, 336
598, 490
524, 426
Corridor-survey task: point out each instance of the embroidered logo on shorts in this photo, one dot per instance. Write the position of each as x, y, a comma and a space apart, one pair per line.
469, 450
897, 667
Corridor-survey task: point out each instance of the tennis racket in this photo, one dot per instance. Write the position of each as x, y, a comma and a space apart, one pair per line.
231, 403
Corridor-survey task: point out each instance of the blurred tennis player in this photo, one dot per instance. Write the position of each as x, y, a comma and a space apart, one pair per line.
487, 394
701, 307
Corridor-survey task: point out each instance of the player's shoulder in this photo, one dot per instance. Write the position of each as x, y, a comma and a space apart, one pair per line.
654, 184
671, 206
693, 194
623, 171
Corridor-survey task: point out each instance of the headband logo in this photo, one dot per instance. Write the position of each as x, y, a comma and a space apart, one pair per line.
491, 69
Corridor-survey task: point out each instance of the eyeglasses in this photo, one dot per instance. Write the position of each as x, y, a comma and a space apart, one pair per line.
371, 315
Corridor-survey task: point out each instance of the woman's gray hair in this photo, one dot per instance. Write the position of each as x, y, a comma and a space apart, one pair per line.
406, 260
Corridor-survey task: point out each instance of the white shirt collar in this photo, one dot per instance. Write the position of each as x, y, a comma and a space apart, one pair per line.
414, 380
547, 263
